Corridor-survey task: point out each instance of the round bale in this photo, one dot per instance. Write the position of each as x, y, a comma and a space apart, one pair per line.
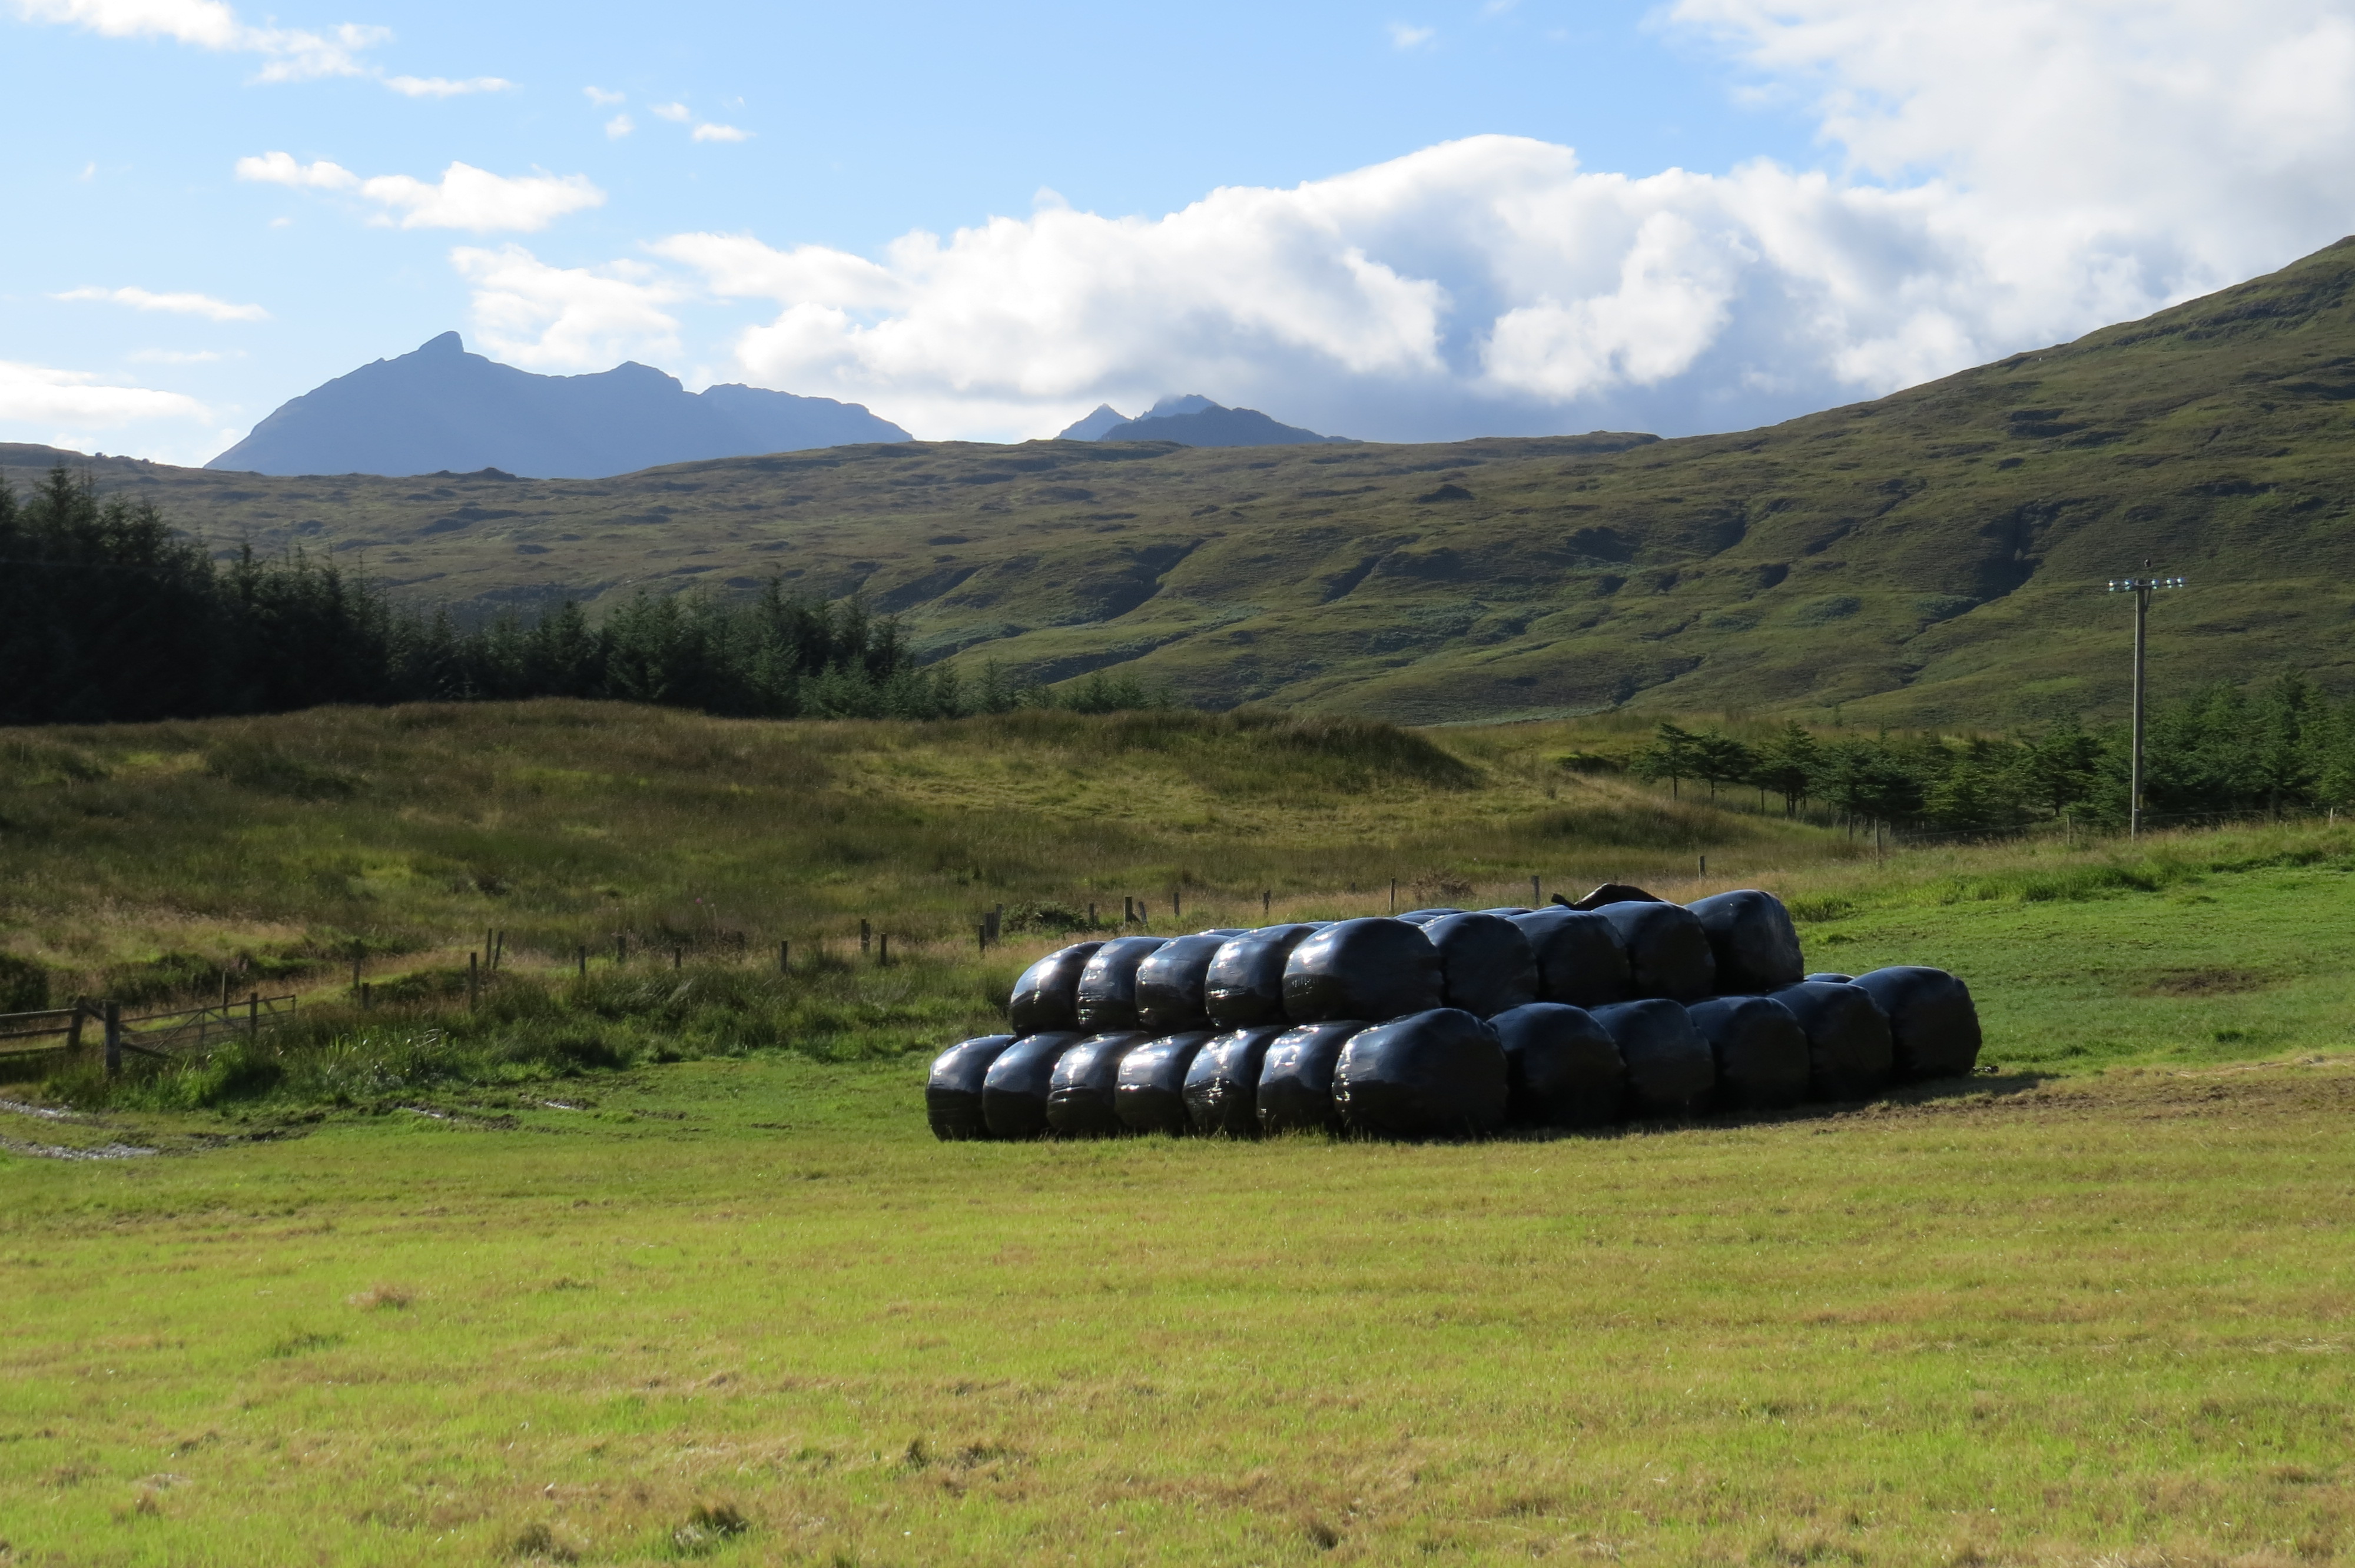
1243, 987
1013, 1091
1670, 1070
1486, 965
1760, 1050
953, 1092
1753, 939
1296, 1082
1045, 998
1169, 981
1561, 1068
1849, 1053
1150, 1093
1369, 969
1222, 1084
1934, 1027
1580, 960
1108, 989
1668, 953
1425, 917
1439, 1074
1080, 1097
1828, 977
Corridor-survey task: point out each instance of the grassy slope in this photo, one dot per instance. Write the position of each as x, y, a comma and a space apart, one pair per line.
1936, 556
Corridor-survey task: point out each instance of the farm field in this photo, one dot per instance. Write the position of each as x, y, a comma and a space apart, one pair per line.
419, 1294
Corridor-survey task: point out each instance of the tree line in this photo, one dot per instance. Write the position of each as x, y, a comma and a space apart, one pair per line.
107, 615
2221, 753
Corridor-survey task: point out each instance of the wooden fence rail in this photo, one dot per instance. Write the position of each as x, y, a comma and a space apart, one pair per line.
157, 1034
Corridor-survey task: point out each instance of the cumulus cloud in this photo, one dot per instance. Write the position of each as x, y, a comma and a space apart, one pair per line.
464, 197
76, 400
620, 126
203, 305
678, 112
604, 99
707, 131
1404, 36
443, 87
558, 318
293, 54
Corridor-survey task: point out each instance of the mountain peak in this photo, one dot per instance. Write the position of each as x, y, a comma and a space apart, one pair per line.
448, 343
1096, 423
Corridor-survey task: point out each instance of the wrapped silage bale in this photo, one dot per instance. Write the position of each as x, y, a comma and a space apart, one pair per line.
1828, 977
1437, 1074
1222, 1084
1045, 996
1106, 994
1562, 1067
952, 1090
1080, 1094
1425, 917
1668, 953
1580, 960
1149, 1093
1369, 969
1752, 938
1013, 1091
1486, 965
1760, 1051
1850, 1054
1243, 986
1505, 911
1933, 1026
1169, 981
1671, 1072
1295, 1082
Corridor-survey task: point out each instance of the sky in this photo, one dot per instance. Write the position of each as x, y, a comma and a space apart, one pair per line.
1422, 220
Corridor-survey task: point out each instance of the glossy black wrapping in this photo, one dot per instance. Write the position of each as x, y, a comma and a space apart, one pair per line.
1080, 1097
1562, 1067
1668, 955
1369, 969
1014, 1090
1933, 1026
1580, 960
1485, 964
1149, 1095
1760, 1050
1849, 1053
1436, 1074
1295, 1082
1106, 994
1243, 987
952, 1090
1222, 1084
1671, 1072
1045, 998
1752, 938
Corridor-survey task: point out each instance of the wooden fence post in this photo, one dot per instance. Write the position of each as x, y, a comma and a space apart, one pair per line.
981, 936
253, 1016
883, 950
113, 1038
866, 937
584, 963
785, 957
73, 1030
677, 959
1393, 895
1176, 904
473, 979
1536, 894
1266, 902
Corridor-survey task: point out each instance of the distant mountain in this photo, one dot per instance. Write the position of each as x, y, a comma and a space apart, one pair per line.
1104, 417
1211, 425
442, 408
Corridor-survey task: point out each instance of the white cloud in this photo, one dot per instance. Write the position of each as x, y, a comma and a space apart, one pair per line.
604, 99
620, 126
465, 196
179, 305
2011, 175
292, 55
281, 169
443, 87
174, 357
1404, 36
711, 133
679, 112
555, 318
33, 394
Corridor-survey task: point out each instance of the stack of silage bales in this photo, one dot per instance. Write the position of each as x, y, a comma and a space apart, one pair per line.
1448, 1024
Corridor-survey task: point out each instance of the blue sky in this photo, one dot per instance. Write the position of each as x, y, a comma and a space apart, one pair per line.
1437, 220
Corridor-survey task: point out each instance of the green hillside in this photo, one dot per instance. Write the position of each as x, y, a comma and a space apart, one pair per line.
1935, 557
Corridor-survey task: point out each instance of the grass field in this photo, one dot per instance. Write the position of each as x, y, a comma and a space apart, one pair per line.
2091, 1308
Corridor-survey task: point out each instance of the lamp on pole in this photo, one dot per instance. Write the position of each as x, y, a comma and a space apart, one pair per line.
2141, 587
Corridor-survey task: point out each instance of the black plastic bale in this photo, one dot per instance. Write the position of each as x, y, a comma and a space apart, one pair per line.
1244, 985
1828, 977
1934, 1027
1045, 996
1506, 911
1013, 1091
1562, 1067
1149, 1096
952, 1091
1668, 953
1425, 917
1169, 984
1753, 939
1486, 965
1107, 989
1082, 1095
1295, 1082
1369, 969
1580, 960
1222, 1086
1760, 1050
1439, 1074
1671, 1072
1849, 1053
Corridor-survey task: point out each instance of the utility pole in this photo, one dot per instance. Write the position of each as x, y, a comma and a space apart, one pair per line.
2141, 587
